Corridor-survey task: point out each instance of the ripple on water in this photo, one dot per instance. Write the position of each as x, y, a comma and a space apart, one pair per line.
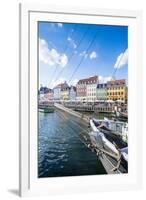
61, 153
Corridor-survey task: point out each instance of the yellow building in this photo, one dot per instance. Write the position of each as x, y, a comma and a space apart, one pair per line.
64, 94
117, 90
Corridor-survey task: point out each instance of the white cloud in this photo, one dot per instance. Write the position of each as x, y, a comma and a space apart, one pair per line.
122, 60
50, 56
60, 25
84, 53
55, 25
72, 42
103, 79
93, 55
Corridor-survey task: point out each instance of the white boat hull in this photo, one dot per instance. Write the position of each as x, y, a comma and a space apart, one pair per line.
101, 141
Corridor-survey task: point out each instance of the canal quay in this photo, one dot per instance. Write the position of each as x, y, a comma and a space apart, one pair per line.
62, 150
83, 129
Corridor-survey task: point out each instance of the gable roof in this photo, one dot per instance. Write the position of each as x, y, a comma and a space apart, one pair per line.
89, 80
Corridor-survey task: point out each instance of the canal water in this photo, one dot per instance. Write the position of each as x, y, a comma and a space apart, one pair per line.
61, 153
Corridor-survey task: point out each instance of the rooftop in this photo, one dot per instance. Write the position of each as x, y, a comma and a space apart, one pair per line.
102, 85
89, 80
117, 82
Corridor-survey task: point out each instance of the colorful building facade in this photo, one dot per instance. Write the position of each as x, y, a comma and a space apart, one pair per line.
116, 90
81, 91
42, 93
72, 93
57, 92
101, 92
49, 95
91, 88
65, 90
86, 89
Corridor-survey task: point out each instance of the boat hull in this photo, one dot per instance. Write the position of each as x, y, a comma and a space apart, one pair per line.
109, 164
46, 110
111, 129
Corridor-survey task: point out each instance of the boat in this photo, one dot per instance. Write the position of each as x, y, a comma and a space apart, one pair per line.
46, 109
99, 140
114, 158
114, 166
124, 152
111, 127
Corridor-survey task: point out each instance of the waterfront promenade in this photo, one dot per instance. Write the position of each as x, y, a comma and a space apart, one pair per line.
103, 107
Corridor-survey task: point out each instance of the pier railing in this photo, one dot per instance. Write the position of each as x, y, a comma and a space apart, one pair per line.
91, 108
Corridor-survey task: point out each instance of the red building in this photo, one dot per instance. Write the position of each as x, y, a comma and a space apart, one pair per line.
81, 88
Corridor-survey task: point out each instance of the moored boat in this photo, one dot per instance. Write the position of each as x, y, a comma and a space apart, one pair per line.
100, 141
46, 109
111, 127
113, 157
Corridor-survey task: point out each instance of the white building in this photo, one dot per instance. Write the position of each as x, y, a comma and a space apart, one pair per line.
91, 91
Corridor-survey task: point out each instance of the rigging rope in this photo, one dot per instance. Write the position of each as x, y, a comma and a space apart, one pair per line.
73, 53
65, 49
92, 41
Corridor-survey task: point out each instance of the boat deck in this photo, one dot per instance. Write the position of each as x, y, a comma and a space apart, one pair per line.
107, 161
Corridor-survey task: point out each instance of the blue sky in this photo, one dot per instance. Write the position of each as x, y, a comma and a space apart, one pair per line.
63, 46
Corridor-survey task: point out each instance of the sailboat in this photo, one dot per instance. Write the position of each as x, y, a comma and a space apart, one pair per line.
113, 156
111, 128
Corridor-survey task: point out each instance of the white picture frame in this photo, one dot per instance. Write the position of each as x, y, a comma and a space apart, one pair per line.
29, 184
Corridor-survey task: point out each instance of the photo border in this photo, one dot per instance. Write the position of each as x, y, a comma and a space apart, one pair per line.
27, 183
